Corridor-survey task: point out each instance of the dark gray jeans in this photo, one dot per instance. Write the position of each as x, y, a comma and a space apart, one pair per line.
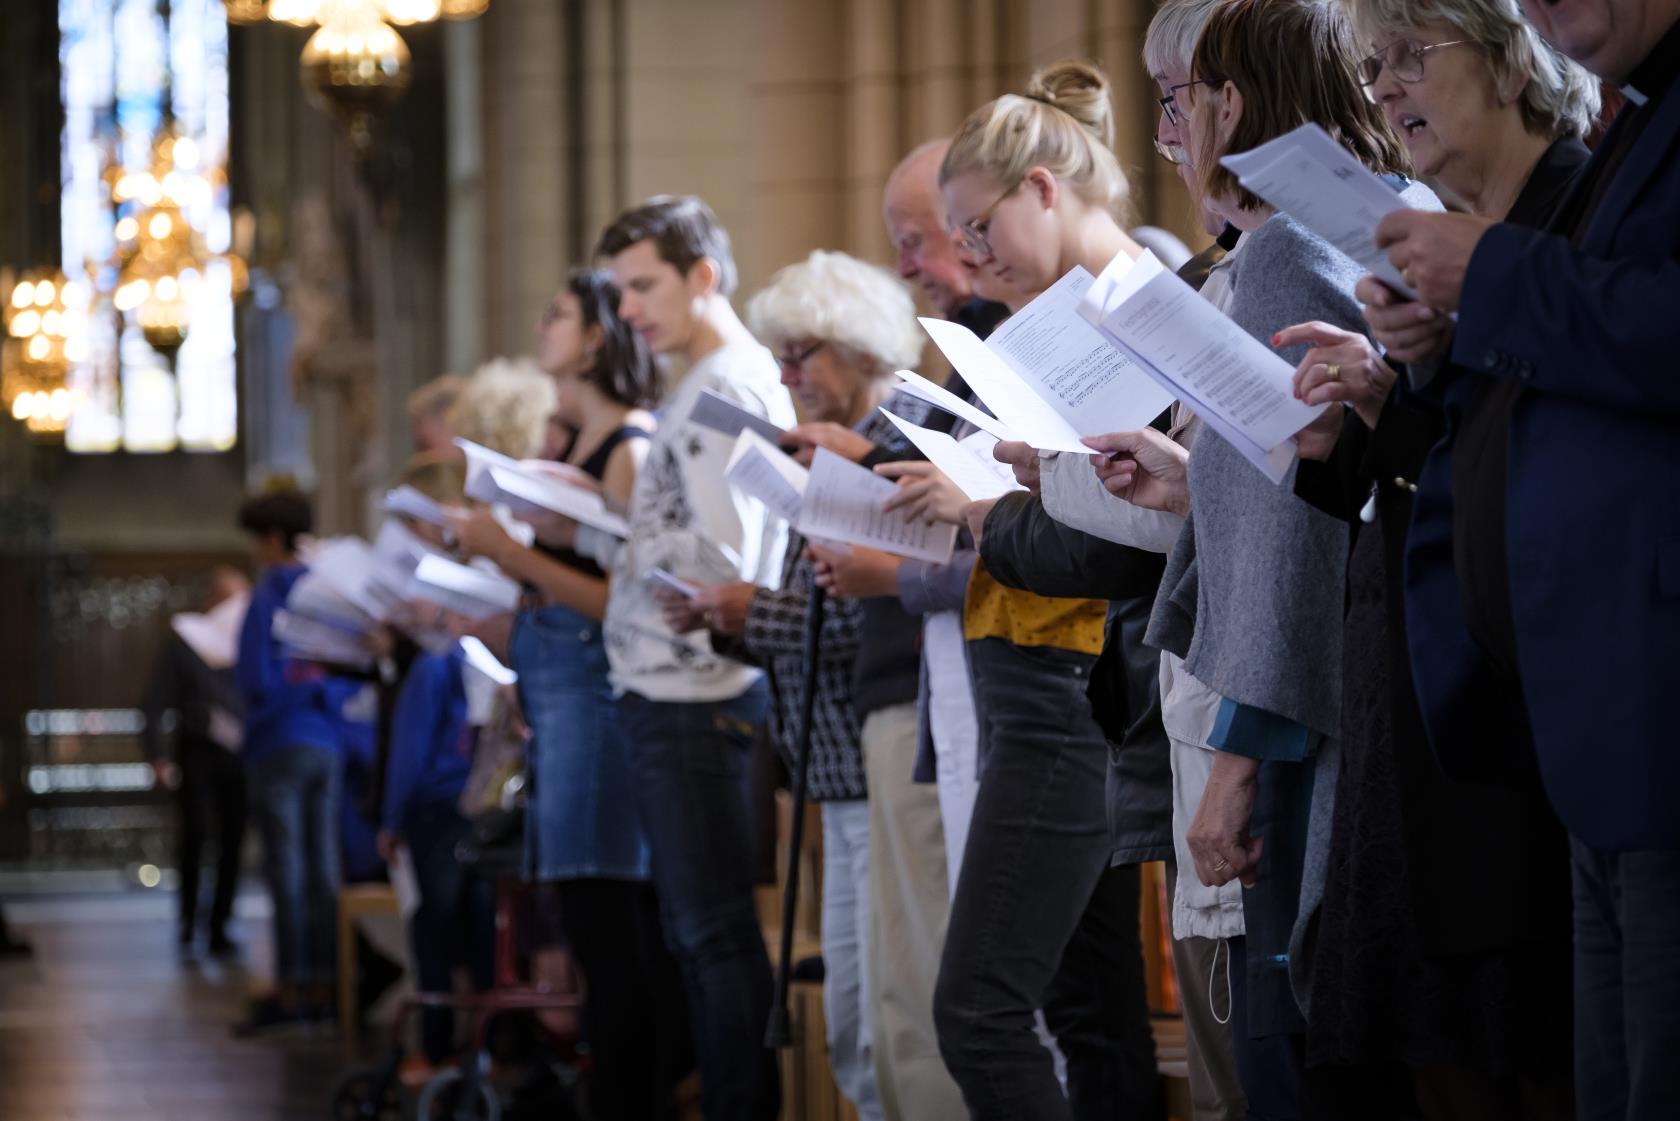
1040, 920
1627, 984
295, 792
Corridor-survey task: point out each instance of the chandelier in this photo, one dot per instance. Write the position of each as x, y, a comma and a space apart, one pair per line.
45, 334
355, 65
161, 256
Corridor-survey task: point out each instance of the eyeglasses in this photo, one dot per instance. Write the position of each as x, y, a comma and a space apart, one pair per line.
1175, 154
1402, 58
972, 233
797, 361
1169, 103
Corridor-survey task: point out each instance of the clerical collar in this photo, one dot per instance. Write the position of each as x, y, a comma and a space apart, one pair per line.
1652, 78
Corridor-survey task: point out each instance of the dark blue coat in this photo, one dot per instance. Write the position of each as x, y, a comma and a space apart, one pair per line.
1592, 505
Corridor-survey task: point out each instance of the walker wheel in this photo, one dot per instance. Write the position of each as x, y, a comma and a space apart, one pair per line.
367, 1095
442, 1100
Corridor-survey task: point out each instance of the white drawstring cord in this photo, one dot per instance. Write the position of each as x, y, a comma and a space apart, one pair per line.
1214, 968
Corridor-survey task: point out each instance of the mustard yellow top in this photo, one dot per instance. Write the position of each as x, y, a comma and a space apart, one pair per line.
991, 610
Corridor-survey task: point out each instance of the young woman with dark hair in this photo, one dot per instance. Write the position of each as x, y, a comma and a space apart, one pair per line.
582, 834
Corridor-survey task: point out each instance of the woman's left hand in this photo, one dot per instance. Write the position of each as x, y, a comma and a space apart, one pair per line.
924, 492
1362, 378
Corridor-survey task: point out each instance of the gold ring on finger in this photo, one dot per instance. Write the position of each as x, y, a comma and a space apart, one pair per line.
1333, 372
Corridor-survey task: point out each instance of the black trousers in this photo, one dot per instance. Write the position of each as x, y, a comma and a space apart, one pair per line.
637, 1014
212, 785
1040, 920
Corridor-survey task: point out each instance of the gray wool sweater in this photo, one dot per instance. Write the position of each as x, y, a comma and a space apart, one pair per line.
1252, 597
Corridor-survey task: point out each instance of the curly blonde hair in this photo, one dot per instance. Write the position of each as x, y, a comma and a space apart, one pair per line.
505, 406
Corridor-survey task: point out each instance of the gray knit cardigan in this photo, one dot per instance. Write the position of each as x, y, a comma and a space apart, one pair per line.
1252, 597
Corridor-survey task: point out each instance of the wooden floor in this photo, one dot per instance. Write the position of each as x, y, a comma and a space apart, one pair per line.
108, 1023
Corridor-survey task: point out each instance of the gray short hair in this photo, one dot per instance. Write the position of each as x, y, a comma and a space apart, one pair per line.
836, 298
1171, 39
1559, 97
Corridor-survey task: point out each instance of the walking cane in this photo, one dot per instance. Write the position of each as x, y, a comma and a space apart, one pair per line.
779, 1033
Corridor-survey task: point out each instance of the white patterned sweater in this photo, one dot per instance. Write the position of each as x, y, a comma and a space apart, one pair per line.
685, 519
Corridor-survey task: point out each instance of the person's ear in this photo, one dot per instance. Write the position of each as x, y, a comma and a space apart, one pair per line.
702, 278
1511, 86
1230, 112
1043, 185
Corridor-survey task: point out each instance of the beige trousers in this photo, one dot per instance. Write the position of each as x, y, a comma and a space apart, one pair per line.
910, 902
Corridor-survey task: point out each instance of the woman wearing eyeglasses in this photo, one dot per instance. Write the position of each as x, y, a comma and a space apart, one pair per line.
1040, 919
1253, 595
1444, 945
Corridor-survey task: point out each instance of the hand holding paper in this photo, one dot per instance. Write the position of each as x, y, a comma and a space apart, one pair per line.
925, 493
976, 475
844, 502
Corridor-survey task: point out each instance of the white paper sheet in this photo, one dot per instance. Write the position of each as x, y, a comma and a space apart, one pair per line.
1072, 368
1320, 184
315, 598
214, 635
720, 414
314, 641
464, 589
526, 492
351, 567
1240, 387
765, 472
407, 501
843, 503
941, 398
676, 583
973, 476
1051, 373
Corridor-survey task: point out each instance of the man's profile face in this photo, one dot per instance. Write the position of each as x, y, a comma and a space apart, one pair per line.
925, 252
1608, 37
656, 299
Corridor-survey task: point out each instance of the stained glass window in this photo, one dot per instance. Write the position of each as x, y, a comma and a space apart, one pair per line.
129, 76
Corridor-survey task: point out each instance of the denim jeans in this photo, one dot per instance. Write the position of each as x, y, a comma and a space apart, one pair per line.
846, 953
455, 923
296, 792
1040, 920
1627, 984
689, 764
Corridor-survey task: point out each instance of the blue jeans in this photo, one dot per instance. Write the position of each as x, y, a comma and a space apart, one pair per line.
1627, 984
296, 792
1040, 920
690, 764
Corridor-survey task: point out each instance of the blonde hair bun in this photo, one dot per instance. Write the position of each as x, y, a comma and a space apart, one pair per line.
1080, 90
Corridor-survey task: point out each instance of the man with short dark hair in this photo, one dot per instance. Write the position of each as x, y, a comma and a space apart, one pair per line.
689, 713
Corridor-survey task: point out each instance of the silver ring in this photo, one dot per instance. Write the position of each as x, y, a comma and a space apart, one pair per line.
1222, 865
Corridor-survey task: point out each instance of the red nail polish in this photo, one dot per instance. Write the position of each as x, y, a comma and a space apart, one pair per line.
1276, 337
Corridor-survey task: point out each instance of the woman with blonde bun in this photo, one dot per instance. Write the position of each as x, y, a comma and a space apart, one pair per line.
1044, 917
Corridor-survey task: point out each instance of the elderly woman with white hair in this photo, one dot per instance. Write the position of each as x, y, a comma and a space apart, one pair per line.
839, 328
1444, 941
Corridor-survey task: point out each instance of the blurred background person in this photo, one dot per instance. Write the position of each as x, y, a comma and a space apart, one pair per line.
193, 678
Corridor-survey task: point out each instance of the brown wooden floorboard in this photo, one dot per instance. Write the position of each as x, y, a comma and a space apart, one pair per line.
108, 1023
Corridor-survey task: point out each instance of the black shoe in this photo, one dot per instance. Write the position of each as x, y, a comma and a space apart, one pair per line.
265, 1013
